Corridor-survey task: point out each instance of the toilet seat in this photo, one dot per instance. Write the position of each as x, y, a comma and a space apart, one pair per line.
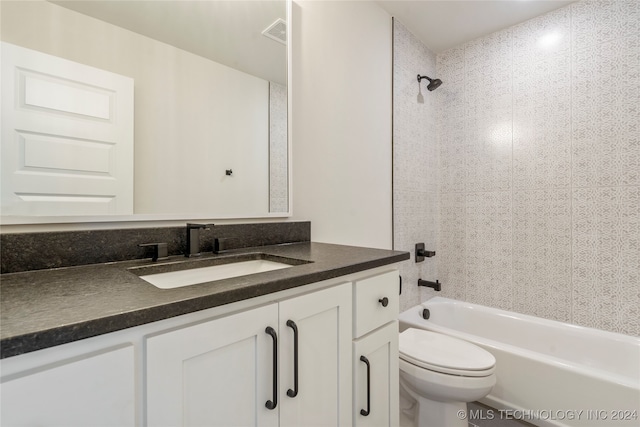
444, 354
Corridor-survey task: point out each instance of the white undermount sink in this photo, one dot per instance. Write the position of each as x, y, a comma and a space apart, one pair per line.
186, 273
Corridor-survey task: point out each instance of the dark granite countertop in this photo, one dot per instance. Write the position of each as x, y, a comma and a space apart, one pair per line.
45, 308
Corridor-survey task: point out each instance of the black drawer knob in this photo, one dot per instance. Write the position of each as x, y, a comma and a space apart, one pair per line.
384, 301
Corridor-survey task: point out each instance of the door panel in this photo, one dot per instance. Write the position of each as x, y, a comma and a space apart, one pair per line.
217, 373
67, 137
93, 390
381, 350
323, 321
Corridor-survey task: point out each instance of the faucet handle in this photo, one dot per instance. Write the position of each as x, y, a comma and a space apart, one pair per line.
220, 244
421, 253
160, 250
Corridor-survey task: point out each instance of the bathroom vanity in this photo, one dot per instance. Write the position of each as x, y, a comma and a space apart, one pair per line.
98, 345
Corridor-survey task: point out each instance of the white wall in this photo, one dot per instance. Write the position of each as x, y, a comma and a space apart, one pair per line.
342, 121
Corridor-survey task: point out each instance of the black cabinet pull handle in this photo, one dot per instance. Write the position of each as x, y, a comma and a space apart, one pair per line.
294, 392
362, 411
384, 301
272, 404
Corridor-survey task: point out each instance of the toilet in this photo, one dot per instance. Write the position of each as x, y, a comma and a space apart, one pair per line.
439, 374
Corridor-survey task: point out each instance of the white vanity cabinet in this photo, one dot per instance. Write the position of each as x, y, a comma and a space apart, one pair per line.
216, 373
89, 387
221, 372
216, 366
375, 350
324, 321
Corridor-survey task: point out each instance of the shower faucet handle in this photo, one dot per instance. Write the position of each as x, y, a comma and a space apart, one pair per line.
421, 253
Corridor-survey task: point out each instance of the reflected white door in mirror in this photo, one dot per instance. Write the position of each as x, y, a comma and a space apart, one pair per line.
211, 95
67, 137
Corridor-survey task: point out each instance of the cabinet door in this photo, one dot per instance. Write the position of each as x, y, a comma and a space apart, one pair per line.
380, 348
323, 320
92, 390
217, 373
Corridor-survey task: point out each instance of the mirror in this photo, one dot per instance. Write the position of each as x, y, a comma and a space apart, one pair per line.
210, 115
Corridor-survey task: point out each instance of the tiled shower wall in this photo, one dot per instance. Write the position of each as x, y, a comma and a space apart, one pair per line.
539, 167
415, 162
538, 147
278, 149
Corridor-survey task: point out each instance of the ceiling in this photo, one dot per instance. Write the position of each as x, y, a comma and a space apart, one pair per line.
443, 24
228, 32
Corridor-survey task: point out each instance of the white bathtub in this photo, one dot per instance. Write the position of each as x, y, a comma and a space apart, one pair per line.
548, 373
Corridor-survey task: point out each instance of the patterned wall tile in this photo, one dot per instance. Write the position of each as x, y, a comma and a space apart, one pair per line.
451, 252
415, 155
606, 114
450, 66
415, 169
417, 219
493, 49
452, 156
488, 249
450, 96
488, 140
544, 85
537, 39
278, 149
542, 253
451, 122
538, 166
405, 167
606, 258
488, 113
542, 124
489, 87
600, 20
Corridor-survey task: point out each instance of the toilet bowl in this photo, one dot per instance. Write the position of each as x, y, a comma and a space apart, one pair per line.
439, 375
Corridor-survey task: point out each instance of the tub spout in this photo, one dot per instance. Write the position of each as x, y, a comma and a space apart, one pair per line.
435, 285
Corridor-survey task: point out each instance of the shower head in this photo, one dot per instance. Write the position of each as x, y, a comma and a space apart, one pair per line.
433, 83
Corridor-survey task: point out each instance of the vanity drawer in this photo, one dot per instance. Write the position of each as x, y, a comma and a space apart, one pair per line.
368, 298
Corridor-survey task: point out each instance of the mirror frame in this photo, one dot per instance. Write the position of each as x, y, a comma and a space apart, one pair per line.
92, 219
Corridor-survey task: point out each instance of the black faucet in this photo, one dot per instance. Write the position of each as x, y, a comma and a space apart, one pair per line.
193, 238
421, 253
427, 283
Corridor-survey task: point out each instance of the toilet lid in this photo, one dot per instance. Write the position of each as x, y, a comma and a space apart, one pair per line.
442, 353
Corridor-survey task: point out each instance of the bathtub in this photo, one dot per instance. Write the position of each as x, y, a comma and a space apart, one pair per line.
548, 373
